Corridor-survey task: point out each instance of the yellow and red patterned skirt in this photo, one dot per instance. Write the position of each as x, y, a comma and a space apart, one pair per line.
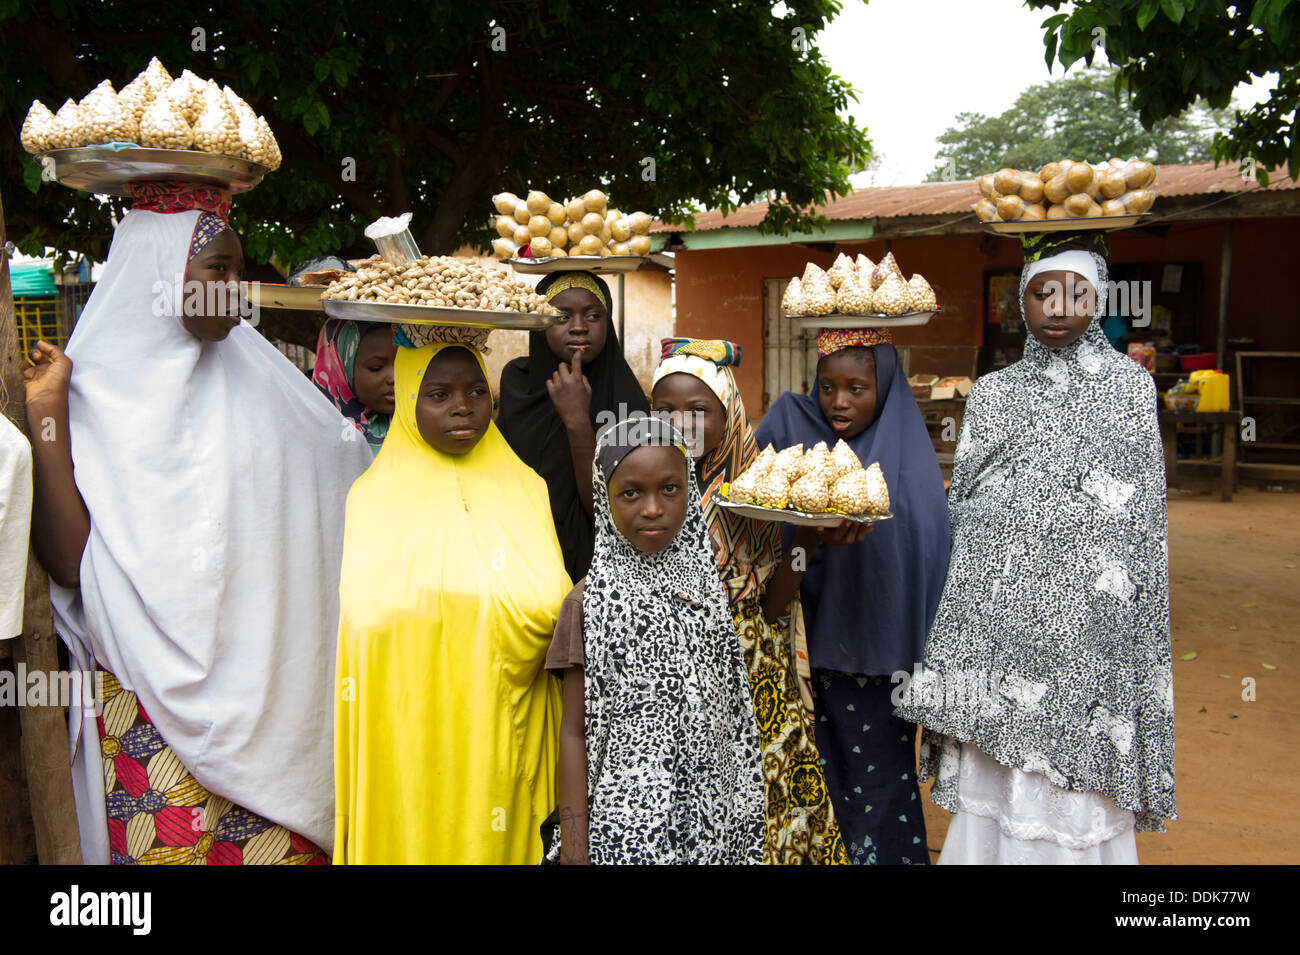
158, 814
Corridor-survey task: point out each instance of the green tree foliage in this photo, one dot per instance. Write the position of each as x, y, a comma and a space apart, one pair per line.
1077, 117
441, 104
1170, 52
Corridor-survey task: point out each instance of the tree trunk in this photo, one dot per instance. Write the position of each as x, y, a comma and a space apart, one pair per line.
44, 728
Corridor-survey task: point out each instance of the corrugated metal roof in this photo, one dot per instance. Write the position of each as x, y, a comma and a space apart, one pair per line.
942, 198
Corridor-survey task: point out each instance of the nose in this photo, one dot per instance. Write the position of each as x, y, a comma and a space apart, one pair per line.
651, 506
839, 399
577, 326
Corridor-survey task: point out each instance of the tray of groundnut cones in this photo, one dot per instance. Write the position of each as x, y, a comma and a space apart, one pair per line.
437, 290
155, 128
1067, 196
816, 488
858, 293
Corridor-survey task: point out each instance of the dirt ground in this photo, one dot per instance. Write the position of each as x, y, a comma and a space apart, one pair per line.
1235, 595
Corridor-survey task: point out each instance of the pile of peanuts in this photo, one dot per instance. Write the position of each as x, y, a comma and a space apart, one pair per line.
441, 281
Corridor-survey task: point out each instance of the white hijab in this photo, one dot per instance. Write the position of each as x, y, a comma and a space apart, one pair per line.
215, 475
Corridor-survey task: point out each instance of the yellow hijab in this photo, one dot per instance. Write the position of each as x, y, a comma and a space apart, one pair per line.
446, 723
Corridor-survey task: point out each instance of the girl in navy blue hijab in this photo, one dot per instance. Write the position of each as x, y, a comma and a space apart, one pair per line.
868, 605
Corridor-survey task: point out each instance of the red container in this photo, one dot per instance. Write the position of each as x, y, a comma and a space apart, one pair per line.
1205, 359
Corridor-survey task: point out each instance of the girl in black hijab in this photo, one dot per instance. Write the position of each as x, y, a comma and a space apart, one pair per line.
574, 381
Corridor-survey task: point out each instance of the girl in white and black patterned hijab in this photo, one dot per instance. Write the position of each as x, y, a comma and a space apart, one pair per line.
1046, 693
673, 756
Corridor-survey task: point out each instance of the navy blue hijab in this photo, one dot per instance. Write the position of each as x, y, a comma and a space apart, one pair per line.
868, 607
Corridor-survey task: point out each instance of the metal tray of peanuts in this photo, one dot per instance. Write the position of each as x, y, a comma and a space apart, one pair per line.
105, 170
801, 518
434, 315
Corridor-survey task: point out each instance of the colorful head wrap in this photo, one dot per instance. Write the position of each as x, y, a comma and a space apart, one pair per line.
206, 228
172, 195
417, 336
335, 373
557, 282
621, 438
709, 372
831, 340
1036, 245
714, 349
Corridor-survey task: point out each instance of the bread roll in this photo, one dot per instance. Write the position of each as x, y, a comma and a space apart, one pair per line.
1111, 183
1031, 188
1081, 178
539, 225
986, 186
1006, 181
1056, 189
1034, 210
521, 213
1113, 207
986, 210
506, 226
1057, 211
538, 202
1050, 171
1011, 208
540, 247
1138, 201
1077, 204
555, 212
1139, 174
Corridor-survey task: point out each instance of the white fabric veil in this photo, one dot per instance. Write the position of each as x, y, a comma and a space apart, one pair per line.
215, 475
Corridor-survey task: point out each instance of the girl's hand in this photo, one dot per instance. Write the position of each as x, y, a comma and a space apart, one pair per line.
845, 533
46, 381
571, 394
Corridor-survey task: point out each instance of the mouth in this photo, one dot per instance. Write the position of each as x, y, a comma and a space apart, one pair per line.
579, 346
460, 434
1055, 331
653, 531
841, 422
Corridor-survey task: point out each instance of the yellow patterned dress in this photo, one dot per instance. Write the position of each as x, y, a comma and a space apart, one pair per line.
800, 827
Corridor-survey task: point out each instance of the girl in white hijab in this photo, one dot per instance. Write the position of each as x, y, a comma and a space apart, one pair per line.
201, 572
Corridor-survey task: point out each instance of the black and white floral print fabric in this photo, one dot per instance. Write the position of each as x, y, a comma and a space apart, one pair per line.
673, 755
1050, 650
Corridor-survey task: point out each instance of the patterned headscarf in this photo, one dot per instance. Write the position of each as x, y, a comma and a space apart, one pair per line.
666, 693
831, 340
206, 228
335, 375
1037, 245
417, 336
557, 282
172, 195
746, 551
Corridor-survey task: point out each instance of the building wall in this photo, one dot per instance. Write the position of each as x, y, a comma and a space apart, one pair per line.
720, 291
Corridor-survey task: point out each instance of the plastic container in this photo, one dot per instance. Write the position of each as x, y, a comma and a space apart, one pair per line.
393, 239
1205, 359
1186, 402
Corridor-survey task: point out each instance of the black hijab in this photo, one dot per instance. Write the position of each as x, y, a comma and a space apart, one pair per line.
533, 429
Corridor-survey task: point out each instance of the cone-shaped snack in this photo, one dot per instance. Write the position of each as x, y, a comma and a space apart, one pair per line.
66, 131
920, 297
792, 301
849, 493
817, 462
790, 460
163, 126
774, 489
841, 270
877, 491
744, 489
217, 130
763, 463
865, 268
37, 127
843, 460
891, 297
810, 493
852, 298
818, 293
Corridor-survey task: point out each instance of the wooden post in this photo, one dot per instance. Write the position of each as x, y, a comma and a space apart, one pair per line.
1225, 276
44, 728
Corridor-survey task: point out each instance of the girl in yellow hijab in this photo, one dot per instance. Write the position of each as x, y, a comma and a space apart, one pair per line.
446, 722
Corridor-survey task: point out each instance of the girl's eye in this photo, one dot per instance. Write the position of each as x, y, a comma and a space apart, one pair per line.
672, 488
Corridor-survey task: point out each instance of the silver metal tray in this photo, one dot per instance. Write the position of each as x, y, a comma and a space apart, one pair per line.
837, 320
1086, 224
802, 518
429, 315
271, 295
578, 263
104, 170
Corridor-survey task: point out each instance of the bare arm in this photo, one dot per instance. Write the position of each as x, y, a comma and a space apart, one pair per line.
573, 770
571, 394
60, 521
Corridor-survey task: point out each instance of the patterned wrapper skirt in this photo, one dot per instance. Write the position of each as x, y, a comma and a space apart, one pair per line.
870, 760
158, 814
799, 823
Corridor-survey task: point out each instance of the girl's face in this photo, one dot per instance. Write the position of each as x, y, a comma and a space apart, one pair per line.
846, 390
693, 409
648, 496
453, 406
1059, 306
372, 369
212, 311
582, 326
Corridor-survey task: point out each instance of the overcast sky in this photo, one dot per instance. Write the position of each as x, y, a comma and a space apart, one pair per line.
918, 63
